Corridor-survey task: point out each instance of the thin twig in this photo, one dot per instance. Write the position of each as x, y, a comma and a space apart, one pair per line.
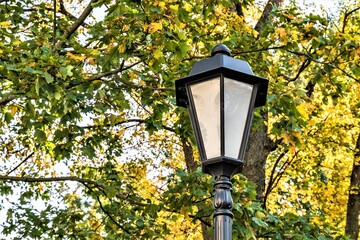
17, 166
136, 120
272, 175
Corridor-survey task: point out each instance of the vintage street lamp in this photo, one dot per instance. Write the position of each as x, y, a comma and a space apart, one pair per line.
221, 93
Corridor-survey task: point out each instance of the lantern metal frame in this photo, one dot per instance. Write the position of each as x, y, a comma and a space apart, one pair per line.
222, 167
223, 66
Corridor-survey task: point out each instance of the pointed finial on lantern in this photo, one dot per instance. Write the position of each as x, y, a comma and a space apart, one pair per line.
221, 49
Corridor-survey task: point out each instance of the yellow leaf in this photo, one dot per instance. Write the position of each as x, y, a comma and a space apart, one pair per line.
294, 35
95, 52
312, 122
187, 7
122, 48
302, 109
289, 16
5, 24
281, 32
13, 109
75, 57
155, 26
126, 28
162, 5
286, 138
91, 60
174, 7
357, 52
308, 26
158, 53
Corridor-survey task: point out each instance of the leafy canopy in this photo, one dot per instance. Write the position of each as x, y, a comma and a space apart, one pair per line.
89, 127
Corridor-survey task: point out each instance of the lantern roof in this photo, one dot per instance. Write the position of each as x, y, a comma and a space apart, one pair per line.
220, 62
220, 58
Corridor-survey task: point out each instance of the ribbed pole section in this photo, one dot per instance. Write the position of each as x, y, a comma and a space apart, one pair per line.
222, 203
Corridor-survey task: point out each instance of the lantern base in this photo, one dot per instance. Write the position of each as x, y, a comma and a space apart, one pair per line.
222, 166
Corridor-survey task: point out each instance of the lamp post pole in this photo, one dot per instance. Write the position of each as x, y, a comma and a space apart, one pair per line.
222, 204
221, 93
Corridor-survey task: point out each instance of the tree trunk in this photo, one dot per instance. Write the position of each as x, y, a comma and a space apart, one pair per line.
255, 158
191, 166
265, 14
188, 151
353, 206
259, 145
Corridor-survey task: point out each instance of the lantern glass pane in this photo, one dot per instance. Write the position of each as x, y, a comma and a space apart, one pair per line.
237, 99
206, 97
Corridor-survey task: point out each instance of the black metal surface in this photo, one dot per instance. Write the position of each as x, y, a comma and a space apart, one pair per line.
221, 63
223, 204
222, 168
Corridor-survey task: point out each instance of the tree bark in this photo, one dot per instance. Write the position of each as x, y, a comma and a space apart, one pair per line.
353, 206
188, 155
265, 14
259, 145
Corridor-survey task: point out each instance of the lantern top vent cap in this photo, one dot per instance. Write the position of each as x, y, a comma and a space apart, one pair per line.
221, 49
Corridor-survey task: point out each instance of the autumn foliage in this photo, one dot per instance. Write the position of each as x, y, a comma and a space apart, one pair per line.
92, 145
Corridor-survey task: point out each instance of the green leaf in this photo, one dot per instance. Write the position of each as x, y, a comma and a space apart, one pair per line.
8, 117
66, 71
48, 78
37, 85
57, 95
259, 222
40, 135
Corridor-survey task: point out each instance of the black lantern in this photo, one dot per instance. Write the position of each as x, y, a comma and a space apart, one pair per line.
221, 93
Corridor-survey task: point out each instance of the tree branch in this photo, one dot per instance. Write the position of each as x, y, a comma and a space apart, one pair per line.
6, 100
256, 50
115, 71
238, 9
76, 24
54, 23
66, 13
266, 13
332, 65
303, 66
83, 181
282, 170
111, 217
276, 178
346, 18
188, 155
353, 205
271, 180
136, 120
105, 211
109, 73
50, 179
